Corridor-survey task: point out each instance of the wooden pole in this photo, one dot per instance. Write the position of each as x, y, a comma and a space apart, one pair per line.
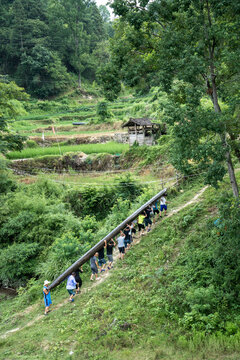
101, 243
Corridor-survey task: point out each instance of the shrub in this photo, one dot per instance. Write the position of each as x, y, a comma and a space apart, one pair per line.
102, 111
63, 252
127, 187
30, 292
226, 250
6, 182
31, 144
17, 263
91, 201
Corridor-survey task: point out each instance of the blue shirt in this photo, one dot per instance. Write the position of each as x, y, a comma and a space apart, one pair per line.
71, 283
47, 297
155, 206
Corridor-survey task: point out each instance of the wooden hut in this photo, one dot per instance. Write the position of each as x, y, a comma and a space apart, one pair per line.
142, 131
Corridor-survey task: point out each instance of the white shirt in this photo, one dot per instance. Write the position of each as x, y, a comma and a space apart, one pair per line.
163, 200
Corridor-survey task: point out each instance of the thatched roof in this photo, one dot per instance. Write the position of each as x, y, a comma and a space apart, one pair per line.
139, 122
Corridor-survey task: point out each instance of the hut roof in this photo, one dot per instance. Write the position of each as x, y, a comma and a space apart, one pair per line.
139, 122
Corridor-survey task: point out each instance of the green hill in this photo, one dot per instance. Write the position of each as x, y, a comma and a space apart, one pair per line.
172, 297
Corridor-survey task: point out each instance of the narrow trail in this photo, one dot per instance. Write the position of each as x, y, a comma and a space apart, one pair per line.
103, 276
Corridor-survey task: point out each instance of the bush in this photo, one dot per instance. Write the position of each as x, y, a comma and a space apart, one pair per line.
30, 292
91, 201
102, 111
127, 187
6, 182
226, 250
31, 144
63, 252
17, 263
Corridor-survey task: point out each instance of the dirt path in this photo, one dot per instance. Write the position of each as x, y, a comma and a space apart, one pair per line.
193, 200
175, 211
103, 276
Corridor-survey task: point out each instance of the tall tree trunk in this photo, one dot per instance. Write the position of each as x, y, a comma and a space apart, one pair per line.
217, 109
214, 98
232, 175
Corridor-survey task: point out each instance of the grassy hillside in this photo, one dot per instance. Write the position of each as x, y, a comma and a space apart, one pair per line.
160, 302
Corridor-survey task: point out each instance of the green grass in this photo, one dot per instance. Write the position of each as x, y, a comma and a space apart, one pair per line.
98, 179
110, 148
122, 318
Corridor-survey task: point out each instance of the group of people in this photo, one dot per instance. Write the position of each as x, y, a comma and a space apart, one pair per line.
124, 241
74, 283
125, 238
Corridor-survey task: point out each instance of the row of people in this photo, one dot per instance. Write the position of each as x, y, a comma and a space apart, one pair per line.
125, 238
98, 262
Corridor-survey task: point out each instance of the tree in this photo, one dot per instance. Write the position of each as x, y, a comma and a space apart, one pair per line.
106, 17
195, 43
80, 27
29, 58
40, 41
108, 77
132, 56
10, 106
44, 74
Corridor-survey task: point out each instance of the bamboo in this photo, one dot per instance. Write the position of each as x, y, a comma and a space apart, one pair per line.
101, 243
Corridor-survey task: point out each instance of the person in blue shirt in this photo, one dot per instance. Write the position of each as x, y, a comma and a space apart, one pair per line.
71, 286
155, 210
47, 297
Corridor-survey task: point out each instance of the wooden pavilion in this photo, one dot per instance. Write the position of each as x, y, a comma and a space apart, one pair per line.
142, 131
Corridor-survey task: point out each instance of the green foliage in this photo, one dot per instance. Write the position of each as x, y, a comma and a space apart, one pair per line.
91, 201
31, 218
31, 144
191, 51
48, 40
43, 72
102, 111
7, 183
109, 79
147, 155
29, 293
63, 252
127, 187
226, 254
17, 263
10, 106
98, 202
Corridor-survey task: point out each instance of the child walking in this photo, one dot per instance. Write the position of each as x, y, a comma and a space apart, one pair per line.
47, 297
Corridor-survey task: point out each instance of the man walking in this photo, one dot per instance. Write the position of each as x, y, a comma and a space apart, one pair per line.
121, 246
110, 245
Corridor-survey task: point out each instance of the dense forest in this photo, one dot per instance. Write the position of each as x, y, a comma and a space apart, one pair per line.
63, 187
48, 46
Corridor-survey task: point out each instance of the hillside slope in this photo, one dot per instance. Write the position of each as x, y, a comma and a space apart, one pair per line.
150, 306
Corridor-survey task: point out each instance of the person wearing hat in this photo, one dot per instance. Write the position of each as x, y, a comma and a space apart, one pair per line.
47, 296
